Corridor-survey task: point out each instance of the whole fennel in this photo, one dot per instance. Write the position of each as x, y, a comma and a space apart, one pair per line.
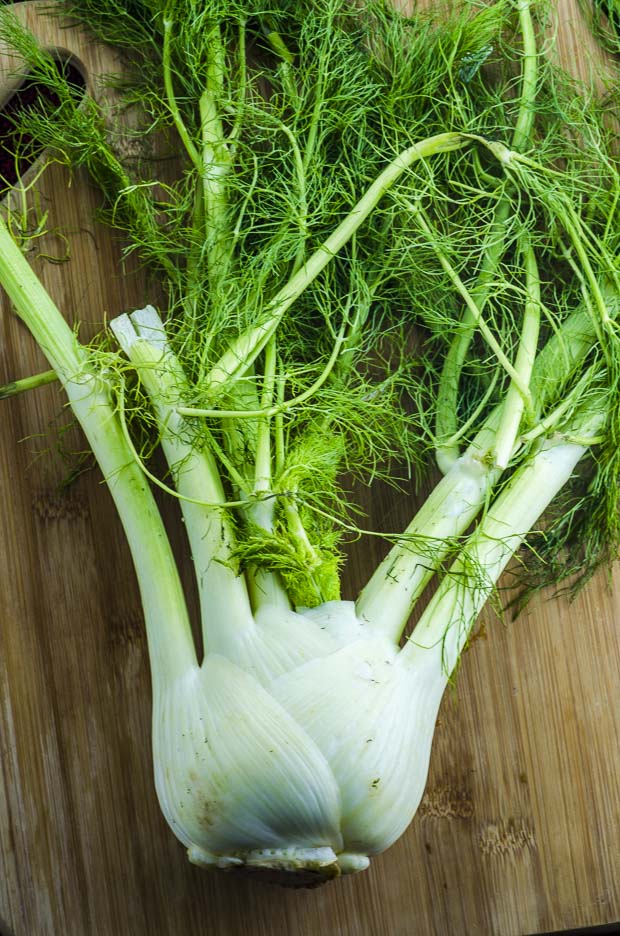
348, 177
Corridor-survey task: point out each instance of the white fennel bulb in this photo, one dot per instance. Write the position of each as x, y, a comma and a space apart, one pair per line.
312, 772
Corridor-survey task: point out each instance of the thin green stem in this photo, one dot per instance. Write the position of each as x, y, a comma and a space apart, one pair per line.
522, 132
279, 437
296, 530
545, 425
215, 165
242, 84
282, 406
238, 446
319, 103
475, 313
171, 100
299, 536
262, 469
236, 478
28, 383
515, 403
265, 586
198, 501
465, 427
286, 67
245, 349
446, 426
302, 207
571, 223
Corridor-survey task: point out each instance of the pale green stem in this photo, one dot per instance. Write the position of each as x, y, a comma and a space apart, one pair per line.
570, 401
279, 408
446, 424
287, 59
265, 586
294, 525
387, 599
171, 646
245, 349
210, 199
447, 409
279, 435
224, 602
171, 100
529, 78
514, 403
216, 164
572, 228
240, 436
452, 611
27, 383
262, 512
302, 208
242, 83
516, 373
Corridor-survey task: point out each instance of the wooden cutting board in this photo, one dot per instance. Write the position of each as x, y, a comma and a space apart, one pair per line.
519, 830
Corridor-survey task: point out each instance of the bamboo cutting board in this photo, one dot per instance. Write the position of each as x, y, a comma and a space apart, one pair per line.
519, 830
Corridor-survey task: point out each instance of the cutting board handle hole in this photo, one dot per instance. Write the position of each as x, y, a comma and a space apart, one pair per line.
18, 152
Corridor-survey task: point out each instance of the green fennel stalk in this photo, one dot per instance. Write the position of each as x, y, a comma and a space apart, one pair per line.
162, 596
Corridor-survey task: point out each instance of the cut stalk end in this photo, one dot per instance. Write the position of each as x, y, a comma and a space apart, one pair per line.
286, 867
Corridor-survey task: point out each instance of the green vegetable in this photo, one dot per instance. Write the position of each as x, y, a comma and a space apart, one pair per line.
391, 240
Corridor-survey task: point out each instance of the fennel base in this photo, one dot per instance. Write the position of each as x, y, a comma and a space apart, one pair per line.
286, 867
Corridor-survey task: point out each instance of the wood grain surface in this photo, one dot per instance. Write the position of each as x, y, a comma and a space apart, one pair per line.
519, 830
